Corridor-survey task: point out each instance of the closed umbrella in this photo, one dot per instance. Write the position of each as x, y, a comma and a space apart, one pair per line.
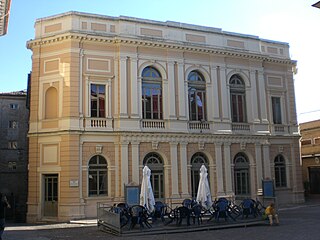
204, 194
146, 193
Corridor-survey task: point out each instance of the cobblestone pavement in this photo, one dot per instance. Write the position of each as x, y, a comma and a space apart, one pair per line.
297, 223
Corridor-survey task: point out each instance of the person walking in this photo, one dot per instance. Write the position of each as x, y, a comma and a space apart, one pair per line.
3, 205
271, 213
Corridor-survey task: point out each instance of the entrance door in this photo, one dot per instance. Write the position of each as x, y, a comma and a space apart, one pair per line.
314, 177
156, 180
50, 195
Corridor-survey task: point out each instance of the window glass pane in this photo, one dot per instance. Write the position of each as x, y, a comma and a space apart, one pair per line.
94, 101
151, 97
197, 97
97, 100
98, 178
276, 110
237, 93
280, 171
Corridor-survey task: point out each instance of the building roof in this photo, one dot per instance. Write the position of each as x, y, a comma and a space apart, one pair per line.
15, 93
4, 16
317, 5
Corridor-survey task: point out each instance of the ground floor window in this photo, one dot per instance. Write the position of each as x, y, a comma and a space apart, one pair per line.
98, 179
241, 175
280, 171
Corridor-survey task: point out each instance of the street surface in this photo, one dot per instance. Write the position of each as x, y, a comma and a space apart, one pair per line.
296, 223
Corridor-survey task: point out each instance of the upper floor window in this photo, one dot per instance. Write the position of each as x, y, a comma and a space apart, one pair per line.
13, 124
276, 110
280, 171
97, 99
151, 94
51, 103
13, 145
14, 106
98, 178
12, 165
306, 142
238, 99
196, 96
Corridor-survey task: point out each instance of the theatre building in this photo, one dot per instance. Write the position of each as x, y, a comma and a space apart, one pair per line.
112, 94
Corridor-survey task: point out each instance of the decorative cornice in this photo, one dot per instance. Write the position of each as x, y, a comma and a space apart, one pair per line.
181, 46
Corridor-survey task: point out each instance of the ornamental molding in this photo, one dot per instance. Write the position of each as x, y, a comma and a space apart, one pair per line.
182, 46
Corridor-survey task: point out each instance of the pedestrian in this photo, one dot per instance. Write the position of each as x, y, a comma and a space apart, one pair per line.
272, 214
3, 205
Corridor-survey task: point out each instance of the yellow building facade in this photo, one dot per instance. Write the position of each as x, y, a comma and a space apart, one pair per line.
112, 94
310, 156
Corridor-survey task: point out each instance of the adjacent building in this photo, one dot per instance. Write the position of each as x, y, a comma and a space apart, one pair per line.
14, 117
112, 94
4, 16
310, 156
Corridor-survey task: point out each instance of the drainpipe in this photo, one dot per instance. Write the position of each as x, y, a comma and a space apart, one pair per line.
81, 54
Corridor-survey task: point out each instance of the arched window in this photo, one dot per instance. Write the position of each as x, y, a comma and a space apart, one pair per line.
280, 171
241, 175
197, 160
51, 103
238, 99
98, 176
151, 94
155, 163
196, 96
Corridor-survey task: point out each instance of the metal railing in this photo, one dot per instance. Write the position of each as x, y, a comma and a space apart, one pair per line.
108, 221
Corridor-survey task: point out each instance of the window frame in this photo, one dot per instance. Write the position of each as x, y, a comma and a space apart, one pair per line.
100, 108
13, 144
155, 162
238, 99
276, 110
280, 174
152, 104
242, 175
13, 124
197, 160
14, 106
197, 96
99, 170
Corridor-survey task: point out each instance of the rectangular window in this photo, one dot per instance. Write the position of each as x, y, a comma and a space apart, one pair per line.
97, 98
151, 101
13, 145
276, 110
14, 106
197, 105
13, 124
306, 142
12, 165
238, 107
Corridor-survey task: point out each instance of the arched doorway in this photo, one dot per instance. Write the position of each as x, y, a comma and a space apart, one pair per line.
241, 175
196, 162
155, 163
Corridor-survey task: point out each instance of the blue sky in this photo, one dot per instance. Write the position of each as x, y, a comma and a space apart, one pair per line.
294, 22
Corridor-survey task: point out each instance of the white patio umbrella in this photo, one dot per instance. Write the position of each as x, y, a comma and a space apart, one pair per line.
146, 193
204, 194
